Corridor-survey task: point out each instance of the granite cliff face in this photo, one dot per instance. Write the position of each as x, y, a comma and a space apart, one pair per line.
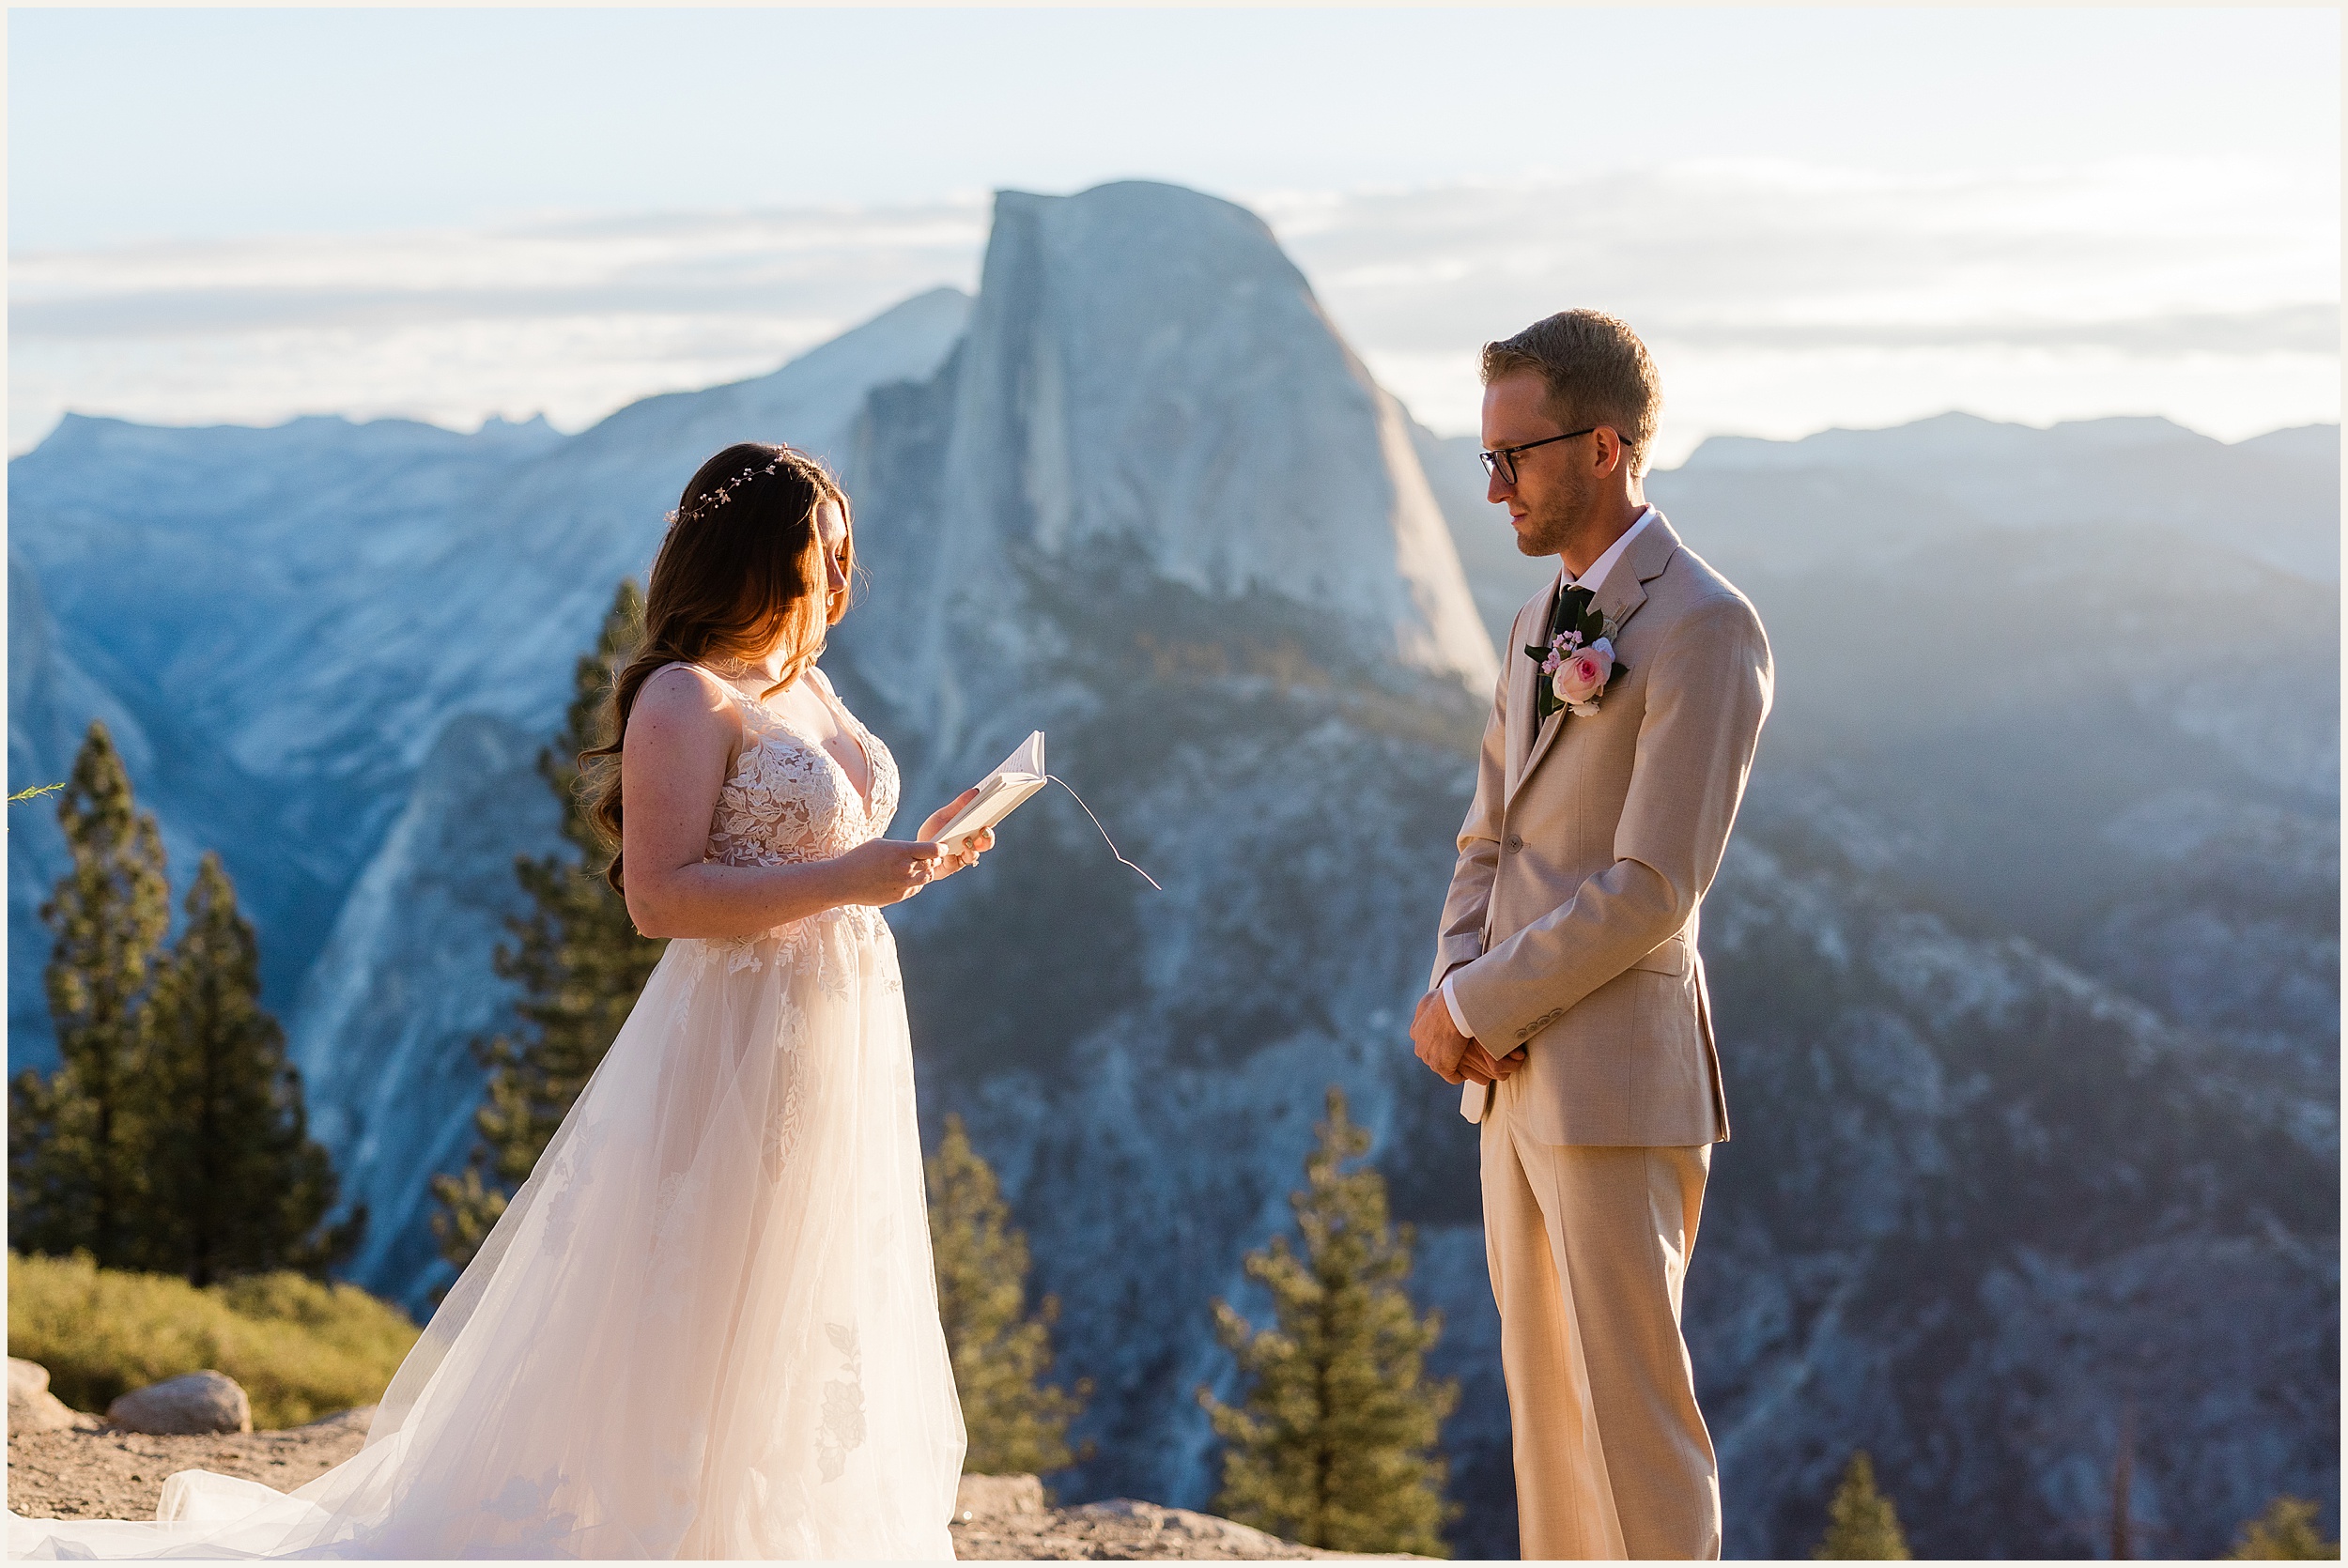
2028, 986
1148, 391
1239, 618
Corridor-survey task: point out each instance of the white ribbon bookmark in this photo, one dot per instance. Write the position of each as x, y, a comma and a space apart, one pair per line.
1105, 832
1003, 791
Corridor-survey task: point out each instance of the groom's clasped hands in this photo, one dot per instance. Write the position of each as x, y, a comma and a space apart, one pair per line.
1455, 1058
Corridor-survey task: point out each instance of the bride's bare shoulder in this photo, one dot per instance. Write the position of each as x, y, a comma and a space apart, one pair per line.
681, 701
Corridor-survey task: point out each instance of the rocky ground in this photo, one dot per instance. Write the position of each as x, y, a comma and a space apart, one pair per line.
1005, 1516
89, 1470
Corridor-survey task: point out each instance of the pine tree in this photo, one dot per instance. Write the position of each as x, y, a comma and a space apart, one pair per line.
1016, 1423
237, 1184
76, 1169
1862, 1522
577, 956
2287, 1531
1335, 1443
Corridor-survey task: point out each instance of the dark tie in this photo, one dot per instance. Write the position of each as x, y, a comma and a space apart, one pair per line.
1564, 616
1571, 603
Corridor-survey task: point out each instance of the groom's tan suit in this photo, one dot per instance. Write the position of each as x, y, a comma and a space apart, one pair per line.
1570, 930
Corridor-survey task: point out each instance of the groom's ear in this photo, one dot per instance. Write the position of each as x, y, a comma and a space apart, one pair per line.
1612, 452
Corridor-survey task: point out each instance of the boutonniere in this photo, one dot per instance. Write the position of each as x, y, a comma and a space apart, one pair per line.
1576, 667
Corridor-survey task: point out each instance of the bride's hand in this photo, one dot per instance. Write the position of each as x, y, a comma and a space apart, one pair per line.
890, 870
963, 855
966, 854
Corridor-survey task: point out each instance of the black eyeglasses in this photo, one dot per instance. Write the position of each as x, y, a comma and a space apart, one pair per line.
1502, 460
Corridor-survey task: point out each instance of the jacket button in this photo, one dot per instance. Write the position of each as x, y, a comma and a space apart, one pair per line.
1516, 844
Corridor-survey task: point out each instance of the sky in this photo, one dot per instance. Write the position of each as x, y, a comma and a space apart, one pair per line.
1822, 217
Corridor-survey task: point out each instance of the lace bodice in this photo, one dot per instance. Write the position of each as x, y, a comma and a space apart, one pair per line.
789, 800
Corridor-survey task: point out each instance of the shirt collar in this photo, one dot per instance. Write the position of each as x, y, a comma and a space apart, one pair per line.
1596, 577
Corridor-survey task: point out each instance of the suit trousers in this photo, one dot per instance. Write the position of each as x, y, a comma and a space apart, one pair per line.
1589, 1247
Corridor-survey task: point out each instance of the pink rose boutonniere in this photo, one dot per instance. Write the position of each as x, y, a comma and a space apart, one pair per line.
1576, 667
1582, 675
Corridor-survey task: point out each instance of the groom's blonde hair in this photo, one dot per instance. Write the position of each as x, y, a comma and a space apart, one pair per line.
1596, 370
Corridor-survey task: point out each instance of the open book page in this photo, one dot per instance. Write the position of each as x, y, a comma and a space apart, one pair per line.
1000, 792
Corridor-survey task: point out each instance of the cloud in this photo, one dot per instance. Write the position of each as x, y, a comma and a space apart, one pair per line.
220, 312
731, 264
1778, 295
571, 317
1770, 292
2311, 329
1702, 248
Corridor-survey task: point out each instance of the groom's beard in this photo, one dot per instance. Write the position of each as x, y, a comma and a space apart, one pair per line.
1547, 526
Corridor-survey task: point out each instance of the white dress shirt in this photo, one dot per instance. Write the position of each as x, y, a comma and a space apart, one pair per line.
1592, 580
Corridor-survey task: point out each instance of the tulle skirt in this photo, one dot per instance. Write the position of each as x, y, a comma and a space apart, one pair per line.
706, 1327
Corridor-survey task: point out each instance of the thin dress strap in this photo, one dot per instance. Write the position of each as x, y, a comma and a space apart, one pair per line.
720, 682
853, 728
697, 670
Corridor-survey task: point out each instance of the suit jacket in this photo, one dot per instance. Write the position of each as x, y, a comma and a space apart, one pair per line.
1571, 919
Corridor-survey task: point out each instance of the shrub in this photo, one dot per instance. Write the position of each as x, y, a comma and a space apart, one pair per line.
2287, 1529
301, 1349
1862, 1521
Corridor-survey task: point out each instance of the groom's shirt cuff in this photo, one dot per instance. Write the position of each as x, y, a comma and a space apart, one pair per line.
1451, 1005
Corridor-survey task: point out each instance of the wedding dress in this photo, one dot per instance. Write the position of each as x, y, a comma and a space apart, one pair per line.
707, 1324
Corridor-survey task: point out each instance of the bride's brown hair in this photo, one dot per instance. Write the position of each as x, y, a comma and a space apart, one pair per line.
741, 569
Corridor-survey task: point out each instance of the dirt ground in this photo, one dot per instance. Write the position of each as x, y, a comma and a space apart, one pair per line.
1122, 1531
91, 1472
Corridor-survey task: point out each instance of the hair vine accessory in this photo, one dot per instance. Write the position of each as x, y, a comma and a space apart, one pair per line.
724, 493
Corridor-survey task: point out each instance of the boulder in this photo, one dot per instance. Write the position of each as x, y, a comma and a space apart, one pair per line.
31, 1407
197, 1402
1180, 1532
357, 1419
998, 1496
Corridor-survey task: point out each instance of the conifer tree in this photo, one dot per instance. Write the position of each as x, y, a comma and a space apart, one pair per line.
2286, 1531
237, 1186
1862, 1521
579, 960
1016, 1423
76, 1168
1333, 1444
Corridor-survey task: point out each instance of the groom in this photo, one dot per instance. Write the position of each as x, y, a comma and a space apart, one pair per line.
1569, 1001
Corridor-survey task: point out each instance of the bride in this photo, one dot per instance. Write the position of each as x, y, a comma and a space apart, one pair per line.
707, 1324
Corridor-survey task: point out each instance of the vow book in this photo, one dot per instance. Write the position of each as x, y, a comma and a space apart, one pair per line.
1001, 791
